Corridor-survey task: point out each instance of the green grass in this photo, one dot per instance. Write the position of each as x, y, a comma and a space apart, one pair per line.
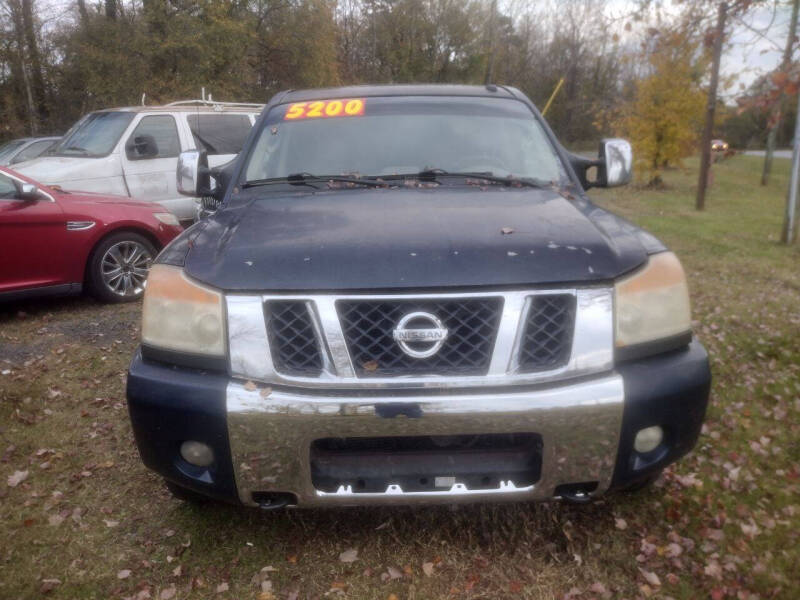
731, 508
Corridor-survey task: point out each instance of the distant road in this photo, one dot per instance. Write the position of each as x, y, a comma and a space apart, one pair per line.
776, 154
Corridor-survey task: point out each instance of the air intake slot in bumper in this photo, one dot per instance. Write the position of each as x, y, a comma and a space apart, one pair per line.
426, 463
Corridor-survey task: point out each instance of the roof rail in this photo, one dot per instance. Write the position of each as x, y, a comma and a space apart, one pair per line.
215, 103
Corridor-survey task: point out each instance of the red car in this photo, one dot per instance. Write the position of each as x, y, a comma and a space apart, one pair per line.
57, 242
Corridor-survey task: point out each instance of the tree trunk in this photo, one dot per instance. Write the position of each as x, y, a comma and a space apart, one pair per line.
19, 37
490, 58
789, 233
37, 80
779, 108
83, 12
111, 10
705, 149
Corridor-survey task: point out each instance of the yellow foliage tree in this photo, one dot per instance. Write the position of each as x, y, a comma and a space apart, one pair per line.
666, 114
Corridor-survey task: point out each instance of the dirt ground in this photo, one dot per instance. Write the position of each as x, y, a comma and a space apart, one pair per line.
80, 517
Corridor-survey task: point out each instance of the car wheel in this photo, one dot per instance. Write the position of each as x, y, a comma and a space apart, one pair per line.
118, 267
186, 495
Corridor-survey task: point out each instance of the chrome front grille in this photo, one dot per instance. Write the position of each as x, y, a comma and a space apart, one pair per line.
292, 337
349, 341
547, 334
471, 323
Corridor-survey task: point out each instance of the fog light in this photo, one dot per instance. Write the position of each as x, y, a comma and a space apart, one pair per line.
197, 453
648, 439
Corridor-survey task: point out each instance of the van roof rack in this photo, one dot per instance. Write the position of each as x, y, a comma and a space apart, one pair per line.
215, 103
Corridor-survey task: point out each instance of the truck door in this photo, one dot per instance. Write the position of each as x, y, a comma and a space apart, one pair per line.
150, 160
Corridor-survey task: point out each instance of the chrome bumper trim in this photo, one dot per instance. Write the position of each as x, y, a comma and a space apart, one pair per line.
592, 344
458, 489
271, 431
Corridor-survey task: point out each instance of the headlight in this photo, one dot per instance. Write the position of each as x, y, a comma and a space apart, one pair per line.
181, 315
653, 303
167, 218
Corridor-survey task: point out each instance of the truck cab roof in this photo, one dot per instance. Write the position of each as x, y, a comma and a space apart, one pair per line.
488, 91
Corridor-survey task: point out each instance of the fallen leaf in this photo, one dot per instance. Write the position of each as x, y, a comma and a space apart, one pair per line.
167, 593
110, 523
177, 571
124, 574
650, 577
392, 597
600, 589
222, 587
55, 520
507, 230
349, 556
370, 366
394, 573
17, 478
265, 392
48, 585
621, 524
250, 386
427, 568
713, 569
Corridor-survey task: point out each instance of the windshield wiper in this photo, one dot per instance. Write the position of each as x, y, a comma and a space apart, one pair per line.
83, 151
310, 180
432, 174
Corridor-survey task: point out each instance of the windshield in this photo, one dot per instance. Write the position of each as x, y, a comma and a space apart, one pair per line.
8, 149
397, 136
95, 135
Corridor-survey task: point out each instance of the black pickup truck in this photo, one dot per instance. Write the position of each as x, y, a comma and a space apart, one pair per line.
406, 296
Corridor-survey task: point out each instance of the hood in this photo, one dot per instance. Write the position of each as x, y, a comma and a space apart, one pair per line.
58, 170
369, 239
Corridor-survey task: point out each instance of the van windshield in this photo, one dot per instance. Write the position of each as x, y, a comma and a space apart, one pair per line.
384, 136
9, 148
94, 135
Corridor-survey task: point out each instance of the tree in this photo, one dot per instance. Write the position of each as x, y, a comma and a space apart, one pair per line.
781, 101
664, 116
711, 104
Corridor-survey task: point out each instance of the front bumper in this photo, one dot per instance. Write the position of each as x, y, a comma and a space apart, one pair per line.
262, 437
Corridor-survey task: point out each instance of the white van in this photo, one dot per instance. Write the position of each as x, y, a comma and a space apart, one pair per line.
134, 151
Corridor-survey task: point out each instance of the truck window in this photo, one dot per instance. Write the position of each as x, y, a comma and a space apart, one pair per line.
396, 136
219, 134
163, 130
95, 135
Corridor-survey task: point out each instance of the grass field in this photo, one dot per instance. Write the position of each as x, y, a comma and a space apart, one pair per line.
88, 521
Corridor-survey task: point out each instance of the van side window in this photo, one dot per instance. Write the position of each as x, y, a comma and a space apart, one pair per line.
219, 134
155, 136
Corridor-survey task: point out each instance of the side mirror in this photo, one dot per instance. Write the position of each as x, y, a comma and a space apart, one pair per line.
142, 146
614, 165
193, 174
616, 156
29, 192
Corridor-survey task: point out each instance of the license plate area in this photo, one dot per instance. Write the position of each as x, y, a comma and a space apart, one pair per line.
426, 463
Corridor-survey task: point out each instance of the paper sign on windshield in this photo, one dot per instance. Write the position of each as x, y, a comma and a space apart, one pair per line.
353, 107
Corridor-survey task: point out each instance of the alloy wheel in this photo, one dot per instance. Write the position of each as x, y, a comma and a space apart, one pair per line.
124, 268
